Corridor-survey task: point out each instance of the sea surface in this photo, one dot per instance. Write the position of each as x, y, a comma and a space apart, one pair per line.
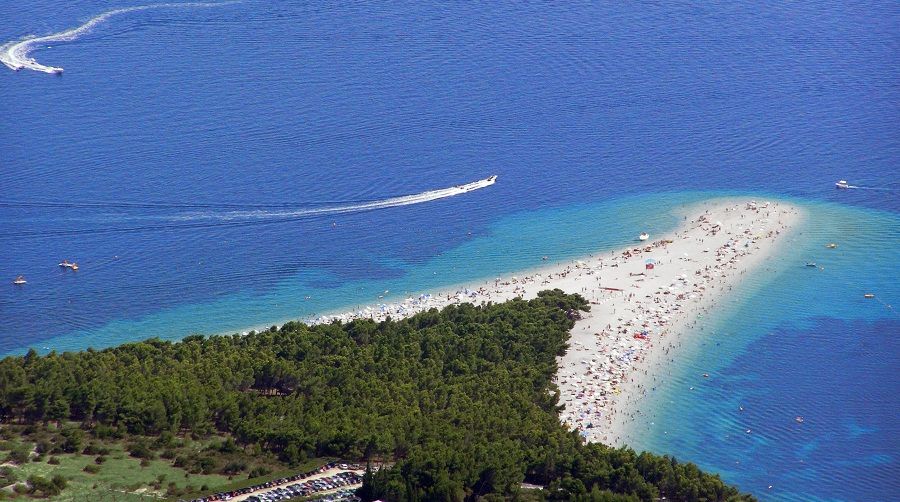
214, 168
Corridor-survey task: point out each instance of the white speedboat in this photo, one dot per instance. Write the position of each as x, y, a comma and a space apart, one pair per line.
842, 184
20, 280
475, 185
644, 236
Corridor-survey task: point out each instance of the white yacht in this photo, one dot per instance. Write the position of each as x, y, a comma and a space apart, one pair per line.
644, 236
842, 184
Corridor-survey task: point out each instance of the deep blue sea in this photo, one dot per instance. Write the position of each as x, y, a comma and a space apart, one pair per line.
213, 169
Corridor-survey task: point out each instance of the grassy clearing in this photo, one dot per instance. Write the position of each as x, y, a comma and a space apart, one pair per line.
124, 477
118, 476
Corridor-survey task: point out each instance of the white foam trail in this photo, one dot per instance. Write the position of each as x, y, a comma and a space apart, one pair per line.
15, 54
882, 189
403, 200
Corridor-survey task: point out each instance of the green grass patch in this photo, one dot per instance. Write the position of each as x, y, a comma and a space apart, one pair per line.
110, 472
119, 476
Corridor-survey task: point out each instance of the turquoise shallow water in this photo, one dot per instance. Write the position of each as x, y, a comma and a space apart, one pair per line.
514, 243
795, 341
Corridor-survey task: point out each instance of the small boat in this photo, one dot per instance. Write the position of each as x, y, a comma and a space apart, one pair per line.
869, 295
842, 184
810, 264
831, 245
74, 267
19, 280
68, 264
57, 71
644, 236
492, 179
798, 419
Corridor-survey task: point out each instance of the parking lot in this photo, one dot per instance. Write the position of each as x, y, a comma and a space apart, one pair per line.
331, 487
333, 481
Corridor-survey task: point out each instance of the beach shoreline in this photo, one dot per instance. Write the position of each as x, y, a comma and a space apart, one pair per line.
684, 329
640, 316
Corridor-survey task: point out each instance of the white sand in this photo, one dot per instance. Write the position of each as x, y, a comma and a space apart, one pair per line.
604, 374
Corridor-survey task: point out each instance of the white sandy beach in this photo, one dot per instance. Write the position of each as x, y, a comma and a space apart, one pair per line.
640, 316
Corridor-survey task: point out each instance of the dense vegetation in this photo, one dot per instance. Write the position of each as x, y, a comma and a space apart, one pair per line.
460, 401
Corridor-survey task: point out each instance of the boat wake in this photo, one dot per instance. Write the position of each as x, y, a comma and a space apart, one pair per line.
880, 189
233, 218
403, 200
15, 54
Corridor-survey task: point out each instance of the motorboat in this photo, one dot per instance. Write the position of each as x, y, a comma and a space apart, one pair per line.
644, 236
19, 280
68, 264
831, 245
475, 185
811, 264
798, 419
842, 184
869, 295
